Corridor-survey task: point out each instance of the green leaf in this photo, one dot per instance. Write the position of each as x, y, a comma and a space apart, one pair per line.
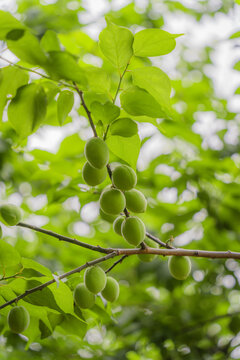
9, 256
156, 82
98, 79
237, 91
15, 34
8, 23
136, 101
105, 112
237, 66
63, 66
11, 78
27, 48
125, 127
50, 42
63, 296
31, 264
235, 35
65, 103
73, 325
115, 43
27, 110
153, 42
126, 149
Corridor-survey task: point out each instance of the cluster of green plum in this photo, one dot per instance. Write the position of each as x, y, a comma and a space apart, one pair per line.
118, 196
95, 281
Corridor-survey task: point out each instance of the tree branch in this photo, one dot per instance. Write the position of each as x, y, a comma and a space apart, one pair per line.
181, 252
158, 241
80, 93
66, 238
74, 271
116, 263
36, 72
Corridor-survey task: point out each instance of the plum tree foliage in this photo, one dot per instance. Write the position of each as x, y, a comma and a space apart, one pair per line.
53, 303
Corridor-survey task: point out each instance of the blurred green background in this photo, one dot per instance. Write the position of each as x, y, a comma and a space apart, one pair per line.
188, 170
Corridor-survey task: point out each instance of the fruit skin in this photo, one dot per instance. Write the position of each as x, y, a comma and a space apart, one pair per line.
96, 152
95, 279
124, 177
93, 176
107, 217
18, 319
111, 290
112, 201
135, 201
118, 224
10, 214
149, 257
133, 230
179, 267
83, 297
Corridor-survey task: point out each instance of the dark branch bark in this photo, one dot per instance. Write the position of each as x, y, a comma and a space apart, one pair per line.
116, 263
66, 238
74, 271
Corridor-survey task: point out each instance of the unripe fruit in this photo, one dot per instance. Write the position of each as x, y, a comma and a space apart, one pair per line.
118, 224
111, 290
124, 177
18, 319
179, 267
10, 214
133, 230
93, 176
148, 257
83, 297
96, 152
135, 201
107, 217
95, 279
112, 201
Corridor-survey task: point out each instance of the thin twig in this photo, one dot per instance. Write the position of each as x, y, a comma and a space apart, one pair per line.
119, 84
158, 241
80, 92
38, 73
65, 238
116, 263
74, 271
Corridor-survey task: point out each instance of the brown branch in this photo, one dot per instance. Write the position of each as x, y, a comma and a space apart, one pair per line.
74, 271
182, 252
66, 238
36, 72
116, 263
158, 241
80, 93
